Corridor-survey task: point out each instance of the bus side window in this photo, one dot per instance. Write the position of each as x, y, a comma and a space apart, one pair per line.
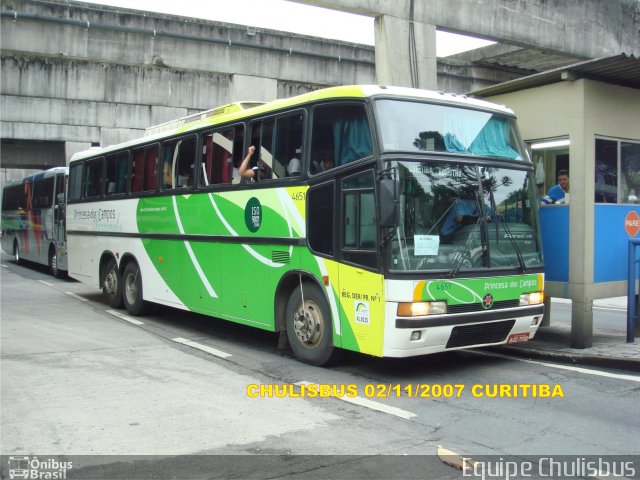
287, 156
321, 218
340, 135
116, 179
359, 216
43, 193
93, 178
151, 166
238, 153
75, 181
137, 171
265, 161
144, 169
217, 157
178, 163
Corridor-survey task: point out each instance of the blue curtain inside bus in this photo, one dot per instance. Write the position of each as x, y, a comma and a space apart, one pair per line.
352, 139
491, 140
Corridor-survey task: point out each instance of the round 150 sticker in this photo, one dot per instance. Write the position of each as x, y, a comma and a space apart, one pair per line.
253, 214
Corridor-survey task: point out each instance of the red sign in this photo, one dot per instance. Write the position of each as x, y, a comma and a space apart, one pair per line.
632, 223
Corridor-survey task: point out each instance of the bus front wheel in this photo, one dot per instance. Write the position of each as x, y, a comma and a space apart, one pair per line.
132, 290
111, 289
308, 325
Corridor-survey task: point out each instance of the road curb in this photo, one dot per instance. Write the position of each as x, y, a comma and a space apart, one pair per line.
629, 364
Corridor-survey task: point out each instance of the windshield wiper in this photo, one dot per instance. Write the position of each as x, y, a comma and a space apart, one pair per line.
463, 253
500, 217
523, 265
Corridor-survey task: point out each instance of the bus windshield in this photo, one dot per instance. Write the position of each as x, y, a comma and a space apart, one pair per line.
423, 127
457, 217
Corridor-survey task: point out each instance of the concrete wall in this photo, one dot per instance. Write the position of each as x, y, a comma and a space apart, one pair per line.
83, 74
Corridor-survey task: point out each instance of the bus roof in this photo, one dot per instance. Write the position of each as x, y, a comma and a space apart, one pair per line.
221, 115
51, 172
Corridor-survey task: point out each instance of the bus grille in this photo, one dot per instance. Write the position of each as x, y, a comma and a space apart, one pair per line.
477, 307
465, 335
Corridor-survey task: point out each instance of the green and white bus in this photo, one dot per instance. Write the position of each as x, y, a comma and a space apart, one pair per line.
33, 219
388, 221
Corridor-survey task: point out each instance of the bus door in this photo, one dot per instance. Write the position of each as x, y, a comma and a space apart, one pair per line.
59, 213
361, 287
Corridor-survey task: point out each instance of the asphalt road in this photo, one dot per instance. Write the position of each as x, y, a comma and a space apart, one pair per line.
177, 395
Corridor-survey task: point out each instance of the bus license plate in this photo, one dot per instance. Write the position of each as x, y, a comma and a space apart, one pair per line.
518, 338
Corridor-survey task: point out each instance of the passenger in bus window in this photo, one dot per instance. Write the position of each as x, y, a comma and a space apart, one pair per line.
253, 172
324, 162
327, 162
294, 167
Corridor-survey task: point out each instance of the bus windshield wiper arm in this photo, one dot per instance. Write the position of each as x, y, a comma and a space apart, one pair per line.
462, 253
523, 265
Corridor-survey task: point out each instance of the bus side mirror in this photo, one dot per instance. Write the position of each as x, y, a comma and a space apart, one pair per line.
388, 203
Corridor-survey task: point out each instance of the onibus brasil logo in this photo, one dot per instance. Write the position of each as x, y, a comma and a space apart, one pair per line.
34, 468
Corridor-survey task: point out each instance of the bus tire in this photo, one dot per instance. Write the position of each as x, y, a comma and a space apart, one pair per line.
132, 290
53, 263
112, 284
309, 327
16, 253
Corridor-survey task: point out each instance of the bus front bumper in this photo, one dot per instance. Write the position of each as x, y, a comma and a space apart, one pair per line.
410, 336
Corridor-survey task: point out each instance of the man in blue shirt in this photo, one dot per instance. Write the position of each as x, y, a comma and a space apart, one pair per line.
558, 194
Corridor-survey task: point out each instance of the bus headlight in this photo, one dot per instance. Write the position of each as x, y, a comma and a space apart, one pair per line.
535, 298
419, 309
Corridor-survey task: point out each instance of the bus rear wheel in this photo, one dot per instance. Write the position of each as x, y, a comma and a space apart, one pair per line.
111, 285
132, 290
309, 327
16, 253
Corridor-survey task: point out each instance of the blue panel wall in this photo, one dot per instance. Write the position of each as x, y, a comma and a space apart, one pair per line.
610, 242
554, 223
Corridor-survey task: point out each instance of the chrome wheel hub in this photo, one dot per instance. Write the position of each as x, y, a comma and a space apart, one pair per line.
131, 289
111, 282
308, 323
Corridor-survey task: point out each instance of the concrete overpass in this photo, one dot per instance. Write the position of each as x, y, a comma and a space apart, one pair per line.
76, 74
406, 42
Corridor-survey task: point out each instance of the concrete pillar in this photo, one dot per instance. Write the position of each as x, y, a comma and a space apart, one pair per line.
247, 88
405, 55
581, 227
581, 321
546, 318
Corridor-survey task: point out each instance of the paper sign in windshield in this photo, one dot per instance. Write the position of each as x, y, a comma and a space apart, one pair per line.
426, 244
